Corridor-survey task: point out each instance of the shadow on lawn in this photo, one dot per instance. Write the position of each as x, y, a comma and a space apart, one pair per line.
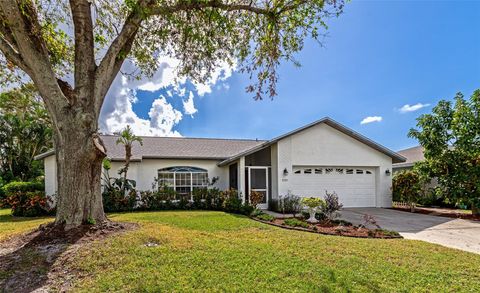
40, 258
9, 219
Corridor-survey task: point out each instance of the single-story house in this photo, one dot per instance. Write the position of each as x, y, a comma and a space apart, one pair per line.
412, 155
323, 155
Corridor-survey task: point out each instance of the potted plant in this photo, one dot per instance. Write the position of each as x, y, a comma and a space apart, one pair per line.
312, 204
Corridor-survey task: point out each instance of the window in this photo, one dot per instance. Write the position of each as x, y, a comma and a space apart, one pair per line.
339, 170
359, 171
307, 171
318, 171
328, 170
349, 171
183, 179
368, 172
297, 172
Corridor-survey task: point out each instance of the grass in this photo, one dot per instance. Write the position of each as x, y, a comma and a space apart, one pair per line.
214, 251
10, 226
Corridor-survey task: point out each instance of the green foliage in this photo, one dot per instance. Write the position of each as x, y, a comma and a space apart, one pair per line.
450, 138
265, 217
232, 201
313, 202
406, 187
387, 232
20, 186
293, 222
255, 35
116, 200
164, 198
91, 221
26, 199
25, 132
332, 206
288, 204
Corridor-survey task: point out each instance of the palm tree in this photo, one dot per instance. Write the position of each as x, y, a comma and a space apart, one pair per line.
127, 138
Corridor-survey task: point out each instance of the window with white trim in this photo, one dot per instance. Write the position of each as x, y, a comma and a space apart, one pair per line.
183, 179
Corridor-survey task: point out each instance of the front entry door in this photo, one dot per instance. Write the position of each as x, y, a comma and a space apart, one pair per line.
258, 181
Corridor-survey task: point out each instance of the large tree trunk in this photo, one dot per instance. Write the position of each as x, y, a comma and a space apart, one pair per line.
79, 154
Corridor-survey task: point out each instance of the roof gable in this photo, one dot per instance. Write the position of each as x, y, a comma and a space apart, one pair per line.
396, 158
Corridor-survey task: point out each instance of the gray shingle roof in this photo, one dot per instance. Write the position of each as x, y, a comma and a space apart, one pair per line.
413, 154
179, 147
175, 148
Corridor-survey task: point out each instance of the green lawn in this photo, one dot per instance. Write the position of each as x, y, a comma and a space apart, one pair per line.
10, 226
214, 251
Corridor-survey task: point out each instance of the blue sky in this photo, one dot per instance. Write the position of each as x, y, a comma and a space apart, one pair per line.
378, 57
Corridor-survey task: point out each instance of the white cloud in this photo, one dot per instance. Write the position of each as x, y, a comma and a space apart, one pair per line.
411, 108
371, 119
117, 111
188, 106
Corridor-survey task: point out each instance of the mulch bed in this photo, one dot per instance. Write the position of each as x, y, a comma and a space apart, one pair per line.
39, 260
336, 230
440, 212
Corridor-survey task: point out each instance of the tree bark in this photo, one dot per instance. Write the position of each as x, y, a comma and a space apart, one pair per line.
79, 154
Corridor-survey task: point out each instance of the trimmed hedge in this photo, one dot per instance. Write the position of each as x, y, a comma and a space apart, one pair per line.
167, 199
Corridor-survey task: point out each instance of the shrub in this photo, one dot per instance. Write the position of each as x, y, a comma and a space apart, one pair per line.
29, 204
265, 217
246, 209
406, 186
232, 202
369, 220
388, 232
255, 198
332, 206
20, 186
119, 194
287, 204
27, 199
256, 212
214, 199
295, 223
114, 200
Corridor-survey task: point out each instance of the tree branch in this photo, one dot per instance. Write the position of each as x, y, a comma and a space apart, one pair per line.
13, 56
84, 50
197, 5
121, 46
116, 54
26, 31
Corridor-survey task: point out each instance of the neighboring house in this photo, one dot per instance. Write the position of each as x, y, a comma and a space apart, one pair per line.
413, 155
320, 156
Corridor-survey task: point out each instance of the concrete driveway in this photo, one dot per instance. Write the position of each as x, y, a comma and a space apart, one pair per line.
455, 233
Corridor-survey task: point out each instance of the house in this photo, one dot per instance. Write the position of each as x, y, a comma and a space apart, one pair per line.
320, 156
412, 155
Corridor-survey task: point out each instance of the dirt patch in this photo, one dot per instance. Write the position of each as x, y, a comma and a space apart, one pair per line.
449, 213
37, 261
330, 228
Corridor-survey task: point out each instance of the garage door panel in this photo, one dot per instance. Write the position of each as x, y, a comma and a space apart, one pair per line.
355, 186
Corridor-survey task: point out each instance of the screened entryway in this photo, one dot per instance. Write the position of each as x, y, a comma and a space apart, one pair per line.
257, 180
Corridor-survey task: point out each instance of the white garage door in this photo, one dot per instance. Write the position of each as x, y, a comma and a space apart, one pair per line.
355, 186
